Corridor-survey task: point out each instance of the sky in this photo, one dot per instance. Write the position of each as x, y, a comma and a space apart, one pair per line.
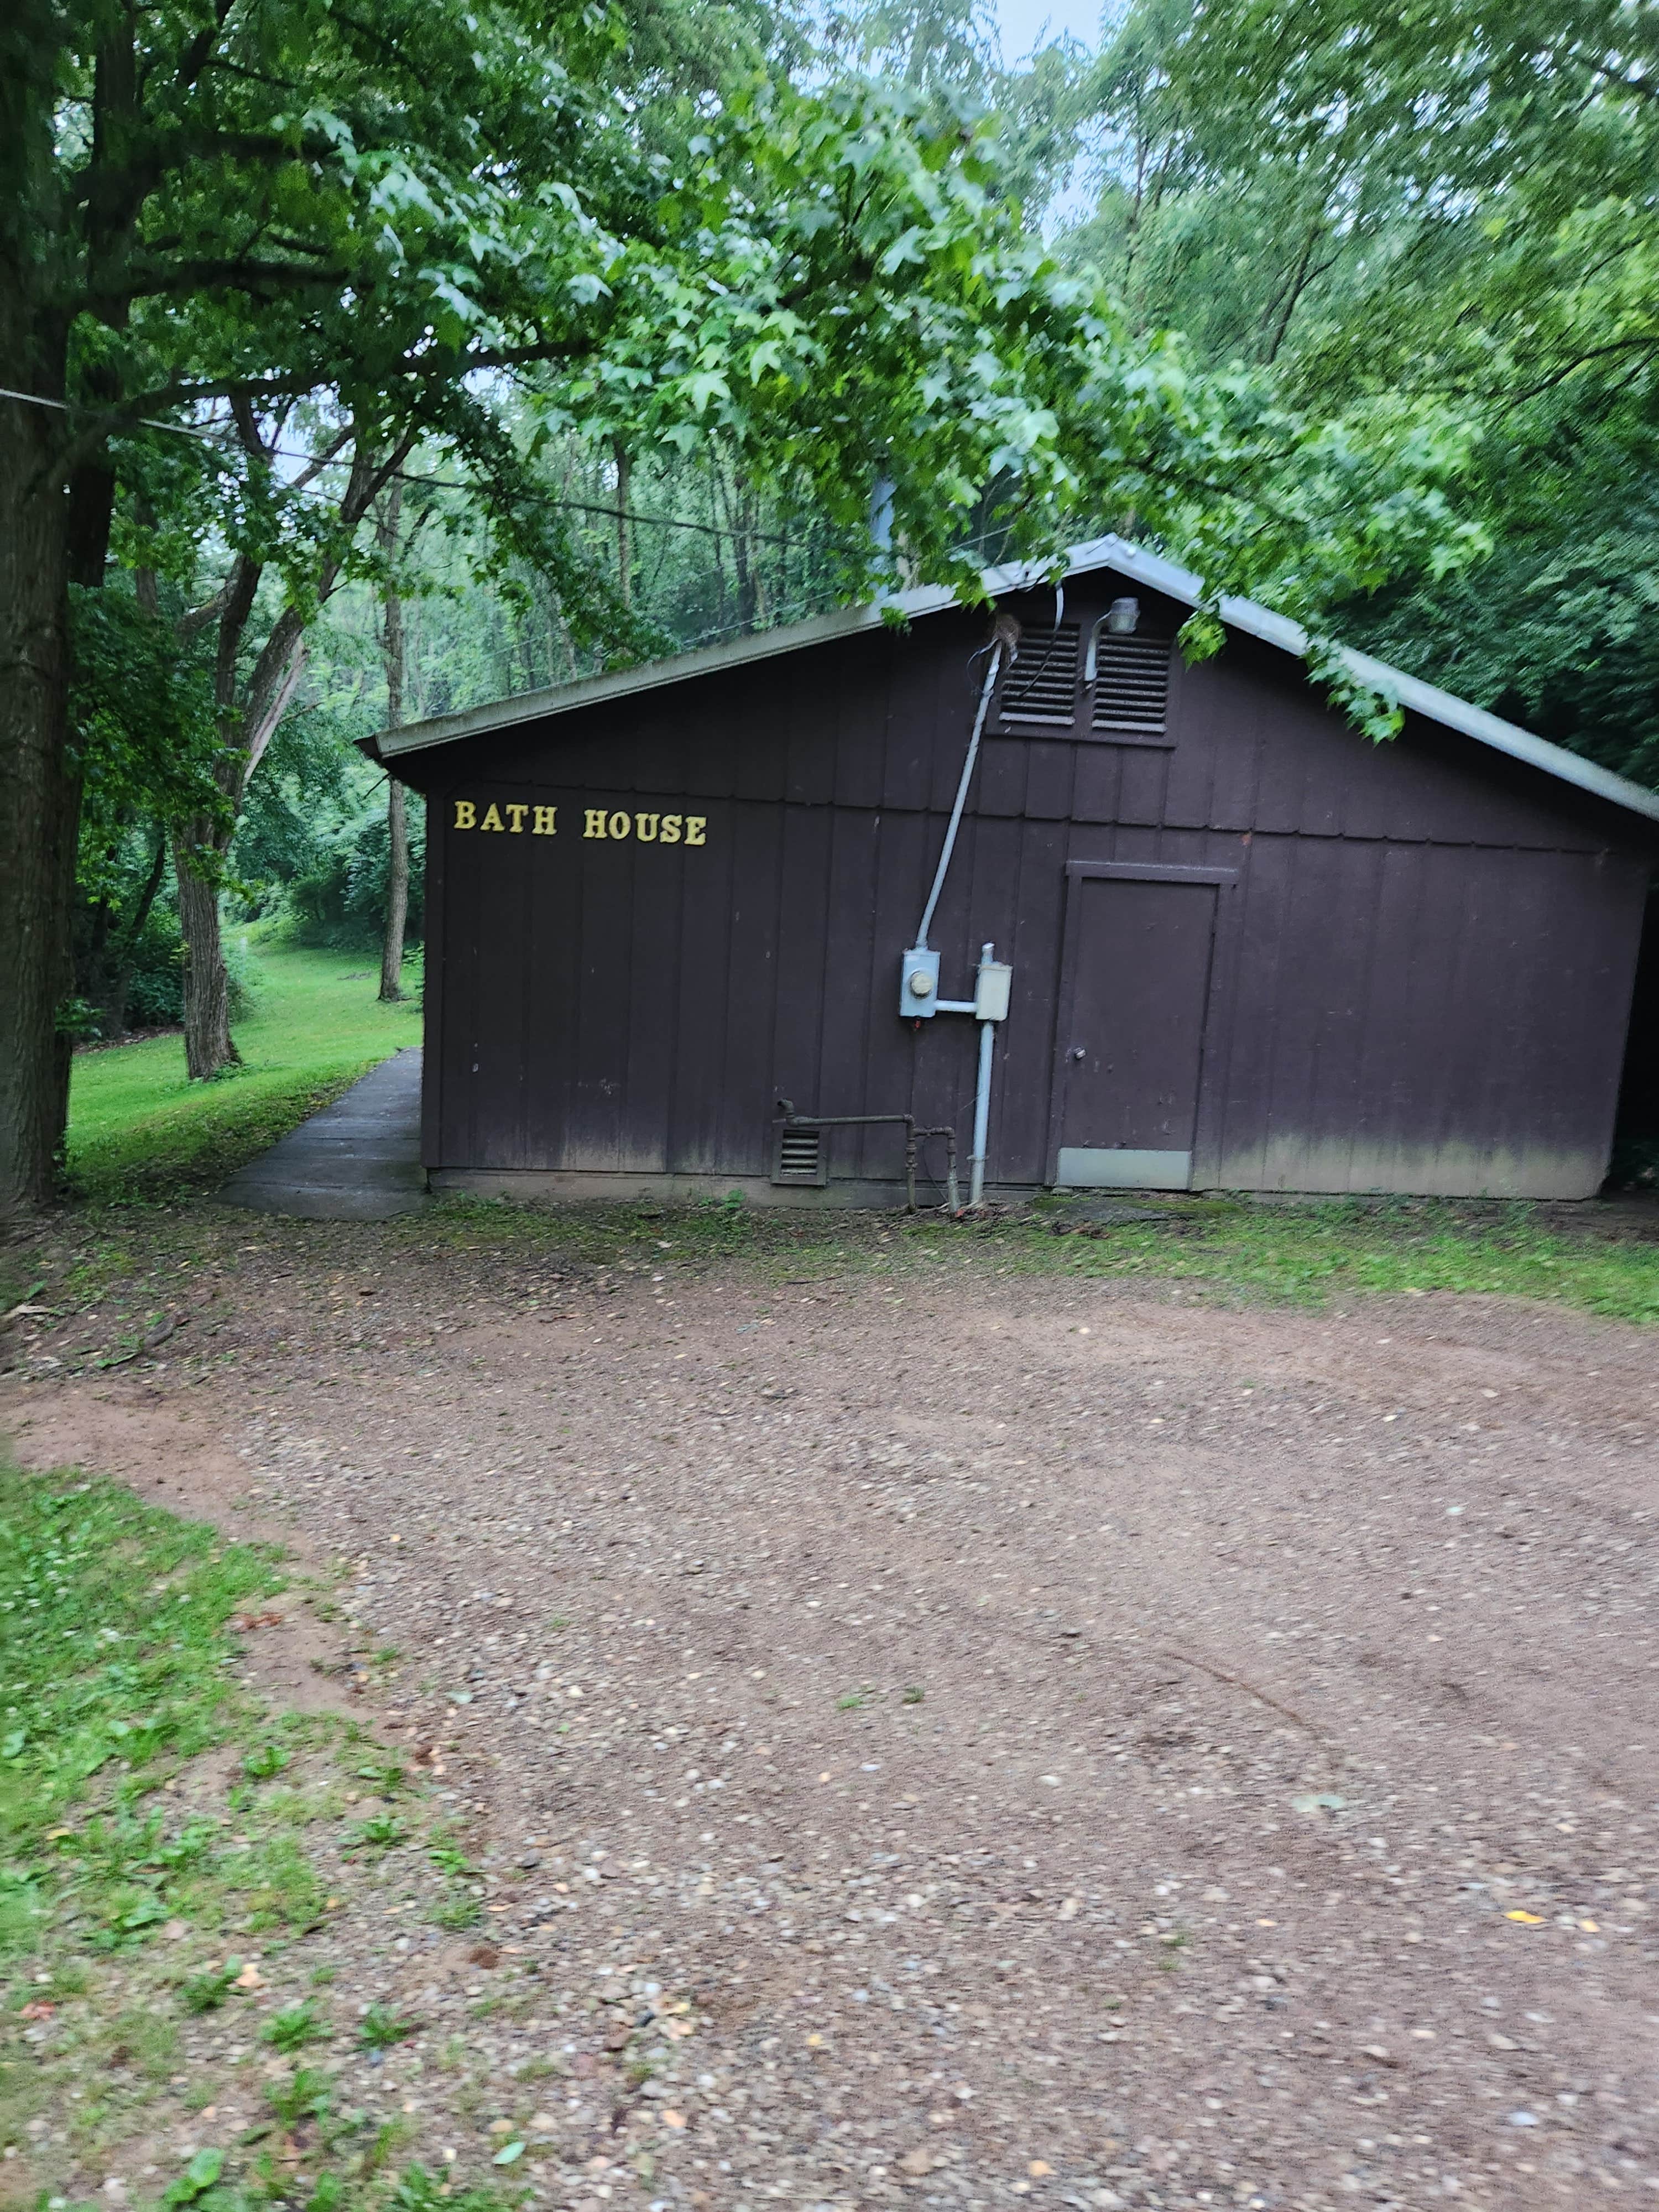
1021, 22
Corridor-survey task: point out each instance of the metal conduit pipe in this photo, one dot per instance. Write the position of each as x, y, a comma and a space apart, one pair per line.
940, 874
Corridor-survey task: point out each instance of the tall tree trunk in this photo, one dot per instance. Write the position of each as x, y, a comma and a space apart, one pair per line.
397, 881
199, 846
247, 721
397, 893
209, 1047
39, 800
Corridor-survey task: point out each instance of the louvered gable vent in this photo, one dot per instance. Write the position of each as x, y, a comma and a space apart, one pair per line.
1041, 685
1132, 685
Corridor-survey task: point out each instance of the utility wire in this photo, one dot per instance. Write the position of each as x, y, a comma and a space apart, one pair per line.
439, 483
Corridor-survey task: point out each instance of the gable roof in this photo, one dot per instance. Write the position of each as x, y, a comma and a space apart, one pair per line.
1115, 554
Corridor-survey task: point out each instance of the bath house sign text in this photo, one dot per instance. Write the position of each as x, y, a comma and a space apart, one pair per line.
514, 820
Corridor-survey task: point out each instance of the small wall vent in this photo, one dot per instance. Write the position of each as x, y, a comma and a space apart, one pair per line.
1132, 685
1041, 685
802, 1156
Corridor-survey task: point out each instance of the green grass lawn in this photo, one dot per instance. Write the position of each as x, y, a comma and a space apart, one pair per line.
139, 1131
144, 1885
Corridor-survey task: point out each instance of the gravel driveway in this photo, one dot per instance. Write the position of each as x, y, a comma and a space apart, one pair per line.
1056, 1743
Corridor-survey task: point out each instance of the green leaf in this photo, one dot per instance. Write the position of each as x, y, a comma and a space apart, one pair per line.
197, 2178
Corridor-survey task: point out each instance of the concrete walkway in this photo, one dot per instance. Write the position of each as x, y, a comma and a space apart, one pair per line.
358, 1160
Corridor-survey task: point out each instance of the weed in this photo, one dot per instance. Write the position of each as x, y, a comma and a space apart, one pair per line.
387, 2137
291, 2029
852, 1701
456, 1911
387, 1778
417, 2191
447, 1859
283, 1886
380, 1832
146, 2041
196, 2179
306, 2095
263, 1761
913, 1696
380, 2027
206, 1992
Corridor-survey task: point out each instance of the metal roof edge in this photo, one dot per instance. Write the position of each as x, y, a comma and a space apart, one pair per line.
1488, 729
1109, 552
1408, 691
651, 675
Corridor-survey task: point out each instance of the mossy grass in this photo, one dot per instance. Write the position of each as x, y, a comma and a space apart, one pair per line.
1315, 1252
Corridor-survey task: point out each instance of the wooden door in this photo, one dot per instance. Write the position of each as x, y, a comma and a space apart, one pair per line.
1134, 1001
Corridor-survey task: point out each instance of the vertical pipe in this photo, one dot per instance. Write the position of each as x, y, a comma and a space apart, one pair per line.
982, 1116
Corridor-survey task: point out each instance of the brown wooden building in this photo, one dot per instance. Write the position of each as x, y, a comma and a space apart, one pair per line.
1251, 949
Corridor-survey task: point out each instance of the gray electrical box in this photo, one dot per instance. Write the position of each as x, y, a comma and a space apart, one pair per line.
918, 983
993, 979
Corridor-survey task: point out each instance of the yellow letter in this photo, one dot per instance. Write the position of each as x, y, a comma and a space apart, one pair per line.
518, 814
595, 823
492, 820
694, 826
671, 829
466, 815
619, 826
546, 822
645, 829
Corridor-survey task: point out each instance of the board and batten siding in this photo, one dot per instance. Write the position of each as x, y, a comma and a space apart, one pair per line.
1422, 972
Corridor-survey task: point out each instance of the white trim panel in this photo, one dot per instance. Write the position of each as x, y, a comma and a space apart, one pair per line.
1087, 1167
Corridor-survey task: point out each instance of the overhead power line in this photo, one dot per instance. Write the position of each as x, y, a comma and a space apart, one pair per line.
439, 483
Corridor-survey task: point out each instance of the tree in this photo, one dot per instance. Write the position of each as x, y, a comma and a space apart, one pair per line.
392, 639
1454, 205
204, 201
253, 688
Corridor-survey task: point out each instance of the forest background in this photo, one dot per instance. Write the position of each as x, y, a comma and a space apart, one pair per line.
1454, 209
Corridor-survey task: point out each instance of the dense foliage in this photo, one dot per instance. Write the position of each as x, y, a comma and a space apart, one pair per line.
1456, 203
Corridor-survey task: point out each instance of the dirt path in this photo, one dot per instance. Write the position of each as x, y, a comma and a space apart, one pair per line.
1067, 1745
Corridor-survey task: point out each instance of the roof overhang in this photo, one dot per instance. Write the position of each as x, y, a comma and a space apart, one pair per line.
1114, 553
